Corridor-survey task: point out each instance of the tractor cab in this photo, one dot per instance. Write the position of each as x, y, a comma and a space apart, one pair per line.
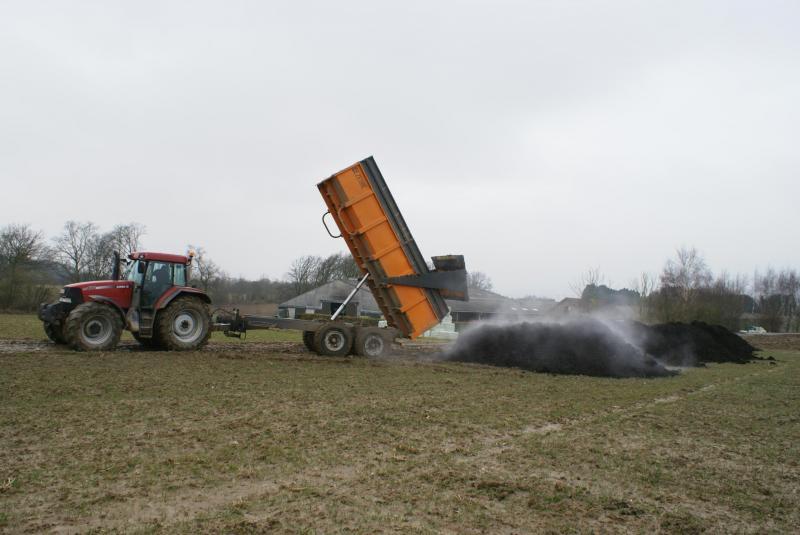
151, 299
156, 275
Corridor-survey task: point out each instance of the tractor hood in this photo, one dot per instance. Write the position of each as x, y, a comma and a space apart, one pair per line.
101, 285
117, 292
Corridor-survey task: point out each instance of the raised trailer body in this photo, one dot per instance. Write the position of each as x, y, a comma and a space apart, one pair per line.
371, 224
410, 295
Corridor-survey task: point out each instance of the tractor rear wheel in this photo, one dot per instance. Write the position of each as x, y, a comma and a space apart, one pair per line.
333, 340
93, 326
370, 342
55, 332
184, 325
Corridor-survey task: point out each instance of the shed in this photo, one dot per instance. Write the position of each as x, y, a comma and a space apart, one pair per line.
328, 297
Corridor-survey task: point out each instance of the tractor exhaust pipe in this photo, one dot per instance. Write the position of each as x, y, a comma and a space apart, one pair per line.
115, 268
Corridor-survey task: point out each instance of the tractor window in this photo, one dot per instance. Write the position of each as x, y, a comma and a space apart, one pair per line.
180, 275
159, 274
158, 280
133, 274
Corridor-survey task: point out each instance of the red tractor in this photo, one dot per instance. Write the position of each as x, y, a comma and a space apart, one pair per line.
152, 300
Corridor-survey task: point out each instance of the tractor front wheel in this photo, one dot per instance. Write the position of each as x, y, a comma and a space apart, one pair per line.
55, 332
184, 325
93, 326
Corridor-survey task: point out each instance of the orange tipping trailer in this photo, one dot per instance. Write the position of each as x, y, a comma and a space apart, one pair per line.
410, 295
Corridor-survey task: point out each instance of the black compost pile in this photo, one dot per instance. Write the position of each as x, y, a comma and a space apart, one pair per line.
691, 344
579, 347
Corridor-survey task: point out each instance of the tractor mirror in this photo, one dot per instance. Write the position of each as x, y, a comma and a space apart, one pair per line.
141, 267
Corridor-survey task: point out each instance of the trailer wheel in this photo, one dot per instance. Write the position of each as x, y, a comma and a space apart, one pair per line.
55, 332
333, 341
308, 340
93, 326
371, 342
184, 325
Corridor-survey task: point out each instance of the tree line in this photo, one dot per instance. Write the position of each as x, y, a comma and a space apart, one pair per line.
687, 290
305, 273
33, 267
30, 265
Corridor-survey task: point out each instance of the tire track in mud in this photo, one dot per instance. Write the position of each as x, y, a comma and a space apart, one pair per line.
496, 446
9, 347
165, 510
559, 426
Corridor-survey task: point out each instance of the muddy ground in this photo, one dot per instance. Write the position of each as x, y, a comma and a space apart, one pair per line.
262, 436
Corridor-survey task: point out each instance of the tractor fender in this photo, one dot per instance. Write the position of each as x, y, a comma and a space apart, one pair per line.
109, 301
168, 297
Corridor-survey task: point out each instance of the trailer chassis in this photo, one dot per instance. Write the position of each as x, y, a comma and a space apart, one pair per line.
331, 337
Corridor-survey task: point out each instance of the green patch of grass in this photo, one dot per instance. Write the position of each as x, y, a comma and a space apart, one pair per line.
265, 335
29, 327
21, 327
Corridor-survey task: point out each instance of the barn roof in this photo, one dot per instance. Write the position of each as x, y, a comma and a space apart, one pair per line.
334, 291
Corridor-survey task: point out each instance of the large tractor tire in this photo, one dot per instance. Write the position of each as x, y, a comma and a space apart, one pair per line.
308, 340
184, 325
333, 340
93, 326
55, 332
371, 342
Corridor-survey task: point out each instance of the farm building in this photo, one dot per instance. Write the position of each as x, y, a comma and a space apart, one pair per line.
483, 305
327, 298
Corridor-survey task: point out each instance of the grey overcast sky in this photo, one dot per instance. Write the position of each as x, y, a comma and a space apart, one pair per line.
538, 138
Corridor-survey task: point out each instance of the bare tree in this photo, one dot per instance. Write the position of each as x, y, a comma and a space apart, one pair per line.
346, 267
100, 258
686, 273
789, 290
689, 291
590, 277
644, 285
302, 273
311, 271
122, 239
479, 281
778, 296
682, 280
205, 272
126, 239
75, 246
326, 270
20, 247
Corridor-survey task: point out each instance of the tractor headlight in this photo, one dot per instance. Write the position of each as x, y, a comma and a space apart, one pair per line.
64, 300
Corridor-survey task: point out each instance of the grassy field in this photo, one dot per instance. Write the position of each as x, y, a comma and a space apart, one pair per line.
264, 437
28, 327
